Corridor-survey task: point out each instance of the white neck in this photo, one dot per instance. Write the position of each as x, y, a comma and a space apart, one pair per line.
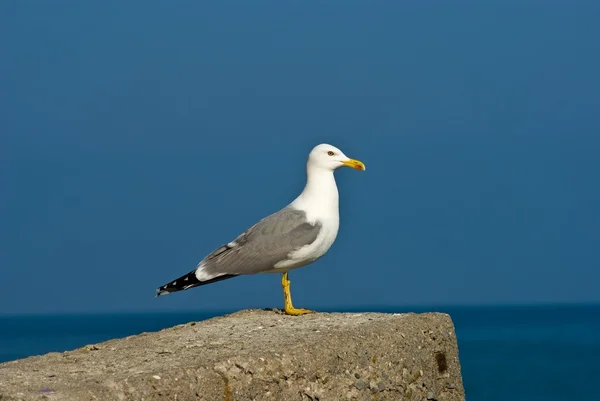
320, 198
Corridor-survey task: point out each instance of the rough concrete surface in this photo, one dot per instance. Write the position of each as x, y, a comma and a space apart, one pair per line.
256, 355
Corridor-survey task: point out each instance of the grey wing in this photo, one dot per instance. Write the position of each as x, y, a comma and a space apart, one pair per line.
263, 245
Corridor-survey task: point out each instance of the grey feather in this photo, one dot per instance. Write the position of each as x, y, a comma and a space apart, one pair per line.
263, 245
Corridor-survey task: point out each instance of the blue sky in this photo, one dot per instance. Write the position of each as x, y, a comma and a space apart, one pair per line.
138, 136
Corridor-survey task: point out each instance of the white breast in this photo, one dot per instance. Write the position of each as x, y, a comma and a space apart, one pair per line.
309, 253
319, 201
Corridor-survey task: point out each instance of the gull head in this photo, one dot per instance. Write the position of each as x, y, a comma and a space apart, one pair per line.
329, 157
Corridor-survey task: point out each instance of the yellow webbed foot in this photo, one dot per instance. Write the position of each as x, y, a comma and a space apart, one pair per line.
290, 310
287, 299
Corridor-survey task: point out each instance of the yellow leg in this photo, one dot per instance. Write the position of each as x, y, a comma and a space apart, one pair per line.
287, 298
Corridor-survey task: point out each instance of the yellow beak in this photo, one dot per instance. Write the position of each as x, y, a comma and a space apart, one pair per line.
355, 164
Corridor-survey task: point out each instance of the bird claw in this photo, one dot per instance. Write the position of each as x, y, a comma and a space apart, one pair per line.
297, 312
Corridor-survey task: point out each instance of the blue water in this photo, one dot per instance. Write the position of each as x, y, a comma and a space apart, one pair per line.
549, 353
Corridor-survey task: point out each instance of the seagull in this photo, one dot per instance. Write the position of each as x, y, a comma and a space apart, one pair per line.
292, 237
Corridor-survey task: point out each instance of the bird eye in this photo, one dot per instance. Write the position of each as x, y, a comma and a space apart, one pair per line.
330, 153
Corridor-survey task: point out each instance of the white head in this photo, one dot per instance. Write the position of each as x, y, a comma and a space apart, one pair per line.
329, 157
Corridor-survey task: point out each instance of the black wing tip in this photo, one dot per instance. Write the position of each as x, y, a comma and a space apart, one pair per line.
188, 281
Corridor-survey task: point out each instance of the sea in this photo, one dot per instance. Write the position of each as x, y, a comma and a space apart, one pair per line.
507, 353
